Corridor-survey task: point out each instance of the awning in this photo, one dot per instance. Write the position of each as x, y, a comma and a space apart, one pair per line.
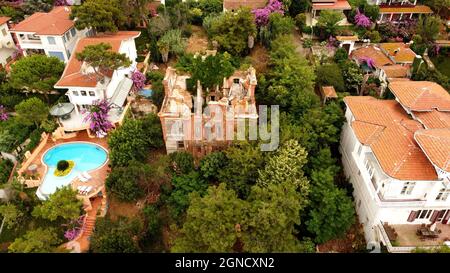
62, 109
338, 5
121, 93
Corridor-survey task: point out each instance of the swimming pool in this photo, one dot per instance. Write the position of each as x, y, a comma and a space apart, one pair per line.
146, 93
87, 157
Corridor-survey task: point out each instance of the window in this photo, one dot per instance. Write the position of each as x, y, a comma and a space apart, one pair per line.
51, 40
443, 194
360, 150
68, 36
424, 214
57, 54
75, 93
369, 168
236, 81
180, 144
83, 93
4, 32
73, 32
64, 39
92, 93
407, 188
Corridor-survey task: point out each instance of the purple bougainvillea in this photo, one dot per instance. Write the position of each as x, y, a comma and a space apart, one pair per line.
63, 2
98, 117
362, 20
138, 79
369, 61
71, 234
262, 15
74, 228
3, 114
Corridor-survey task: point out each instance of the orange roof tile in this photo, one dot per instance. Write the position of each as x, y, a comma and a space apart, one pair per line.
395, 71
421, 95
387, 129
4, 19
56, 22
415, 9
236, 4
436, 145
338, 5
433, 119
72, 76
328, 92
372, 52
399, 52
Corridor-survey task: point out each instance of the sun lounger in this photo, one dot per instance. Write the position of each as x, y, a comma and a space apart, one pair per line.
86, 175
82, 178
87, 190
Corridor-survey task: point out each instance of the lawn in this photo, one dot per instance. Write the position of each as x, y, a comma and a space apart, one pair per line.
442, 64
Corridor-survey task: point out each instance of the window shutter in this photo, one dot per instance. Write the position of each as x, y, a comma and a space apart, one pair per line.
412, 216
434, 216
446, 217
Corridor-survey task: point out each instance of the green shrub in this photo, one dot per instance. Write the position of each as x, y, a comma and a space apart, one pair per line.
307, 43
373, 35
62, 165
300, 21
35, 139
49, 125
5, 170
340, 55
182, 162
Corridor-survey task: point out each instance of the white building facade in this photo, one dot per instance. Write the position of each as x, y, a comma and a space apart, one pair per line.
7, 46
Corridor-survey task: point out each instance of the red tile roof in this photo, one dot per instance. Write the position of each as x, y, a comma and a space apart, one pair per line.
387, 129
328, 92
338, 5
4, 19
436, 145
396, 71
421, 95
372, 52
415, 9
56, 22
433, 119
399, 52
72, 76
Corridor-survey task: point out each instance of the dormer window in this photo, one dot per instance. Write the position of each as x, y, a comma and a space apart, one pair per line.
83, 93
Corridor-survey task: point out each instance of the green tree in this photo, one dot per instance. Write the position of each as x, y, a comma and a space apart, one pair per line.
373, 35
135, 11
31, 112
212, 222
243, 162
332, 212
102, 59
439, 5
115, 236
183, 186
428, 27
11, 216
286, 167
61, 204
328, 21
210, 71
129, 142
340, 55
171, 43
274, 213
233, 29
330, 75
278, 25
36, 241
153, 220
36, 73
101, 15
129, 183
353, 75
182, 162
211, 164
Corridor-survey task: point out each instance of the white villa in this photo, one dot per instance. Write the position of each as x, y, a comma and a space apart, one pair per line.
7, 46
52, 34
396, 154
84, 88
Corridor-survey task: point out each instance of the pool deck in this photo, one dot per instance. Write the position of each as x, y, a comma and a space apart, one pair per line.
98, 175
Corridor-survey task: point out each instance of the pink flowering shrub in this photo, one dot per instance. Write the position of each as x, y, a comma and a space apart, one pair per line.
75, 227
262, 15
362, 20
63, 2
138, 79
369, 61
98, 117
3, 114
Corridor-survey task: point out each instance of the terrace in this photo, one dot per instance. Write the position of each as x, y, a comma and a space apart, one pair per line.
405, 238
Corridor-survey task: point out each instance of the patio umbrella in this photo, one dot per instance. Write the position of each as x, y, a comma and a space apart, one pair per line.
62, 109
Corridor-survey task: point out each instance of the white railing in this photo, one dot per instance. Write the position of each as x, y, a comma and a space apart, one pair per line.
397, 249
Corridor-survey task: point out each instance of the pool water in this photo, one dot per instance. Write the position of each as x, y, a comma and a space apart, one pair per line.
86, 157
146, 92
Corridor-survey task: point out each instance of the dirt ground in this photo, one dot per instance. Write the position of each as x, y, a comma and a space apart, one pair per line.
198, 42
260, 58
352, 242
117, 209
